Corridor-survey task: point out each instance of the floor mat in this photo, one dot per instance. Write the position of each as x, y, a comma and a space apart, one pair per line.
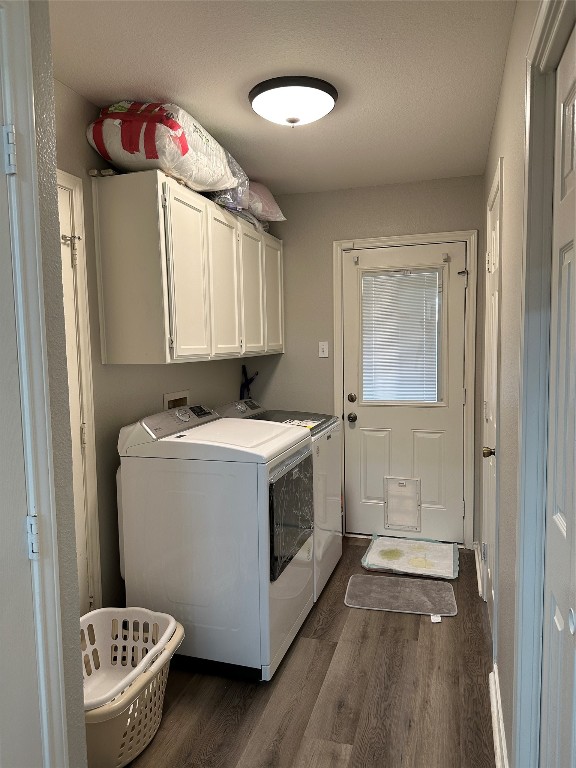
401, 595
413, 556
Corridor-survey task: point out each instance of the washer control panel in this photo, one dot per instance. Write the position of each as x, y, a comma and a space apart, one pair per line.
170, 422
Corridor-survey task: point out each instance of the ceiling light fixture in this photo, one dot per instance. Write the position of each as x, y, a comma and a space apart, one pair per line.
293, 100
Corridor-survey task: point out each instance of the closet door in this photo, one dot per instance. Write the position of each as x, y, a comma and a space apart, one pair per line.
224, 265
251, 259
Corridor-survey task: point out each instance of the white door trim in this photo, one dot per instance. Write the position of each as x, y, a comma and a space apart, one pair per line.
552, 29
74, 184
33, 372
470, 238
496, 194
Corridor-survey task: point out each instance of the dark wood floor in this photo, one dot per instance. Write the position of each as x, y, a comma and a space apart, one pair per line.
357, 689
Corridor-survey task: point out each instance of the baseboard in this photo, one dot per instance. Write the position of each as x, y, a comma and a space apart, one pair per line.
500, 751
478, 556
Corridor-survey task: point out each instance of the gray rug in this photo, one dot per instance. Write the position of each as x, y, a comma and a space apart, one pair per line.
395, 593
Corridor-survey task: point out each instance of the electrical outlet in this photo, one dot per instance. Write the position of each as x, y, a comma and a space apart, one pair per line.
322, 349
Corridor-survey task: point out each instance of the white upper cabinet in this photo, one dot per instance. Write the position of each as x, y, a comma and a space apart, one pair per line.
188, 297
224, 263
179, 278
252, 263
274, 305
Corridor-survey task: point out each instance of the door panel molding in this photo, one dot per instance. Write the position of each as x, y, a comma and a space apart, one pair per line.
470, 239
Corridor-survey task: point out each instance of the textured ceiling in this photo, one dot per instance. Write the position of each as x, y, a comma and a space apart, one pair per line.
418, 81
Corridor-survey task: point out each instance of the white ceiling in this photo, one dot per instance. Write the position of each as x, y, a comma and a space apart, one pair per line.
418, 81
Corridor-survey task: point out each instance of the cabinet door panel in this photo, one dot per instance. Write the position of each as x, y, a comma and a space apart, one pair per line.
252, 290
188, 289
274, 308
224, 284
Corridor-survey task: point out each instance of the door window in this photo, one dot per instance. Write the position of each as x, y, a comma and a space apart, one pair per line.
402, 322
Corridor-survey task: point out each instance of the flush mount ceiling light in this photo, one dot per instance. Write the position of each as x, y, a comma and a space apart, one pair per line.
293, 100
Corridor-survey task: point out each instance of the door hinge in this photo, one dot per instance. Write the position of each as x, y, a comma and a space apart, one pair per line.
356, 259
464, 396
171, 342
72, 240
164, 201
33, 537
484, 551
9, 142
83, 435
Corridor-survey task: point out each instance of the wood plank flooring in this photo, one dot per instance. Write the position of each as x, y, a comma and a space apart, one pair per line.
357, 689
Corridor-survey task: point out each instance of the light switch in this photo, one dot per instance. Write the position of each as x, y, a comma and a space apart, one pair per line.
322, 349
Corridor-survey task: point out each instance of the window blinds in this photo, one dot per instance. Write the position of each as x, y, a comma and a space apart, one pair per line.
401, 335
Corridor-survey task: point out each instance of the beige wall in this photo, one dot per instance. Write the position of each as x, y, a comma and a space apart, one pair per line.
300, 379
58, 381
122, 393
508, 142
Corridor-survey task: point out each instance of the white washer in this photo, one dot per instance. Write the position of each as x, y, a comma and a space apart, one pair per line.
217, 531
326, 432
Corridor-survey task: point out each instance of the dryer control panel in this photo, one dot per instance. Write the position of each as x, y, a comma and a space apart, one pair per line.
170, 422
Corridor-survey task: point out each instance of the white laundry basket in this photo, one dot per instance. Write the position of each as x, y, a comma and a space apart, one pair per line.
126, 656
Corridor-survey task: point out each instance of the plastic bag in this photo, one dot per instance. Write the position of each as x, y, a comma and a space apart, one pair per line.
262, 203
137, 136
237, 197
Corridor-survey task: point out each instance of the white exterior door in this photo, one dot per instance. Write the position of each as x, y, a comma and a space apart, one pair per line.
404, 332
557, 744
490, 401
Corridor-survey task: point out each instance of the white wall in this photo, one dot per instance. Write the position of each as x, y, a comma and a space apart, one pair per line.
122, 393
508, 142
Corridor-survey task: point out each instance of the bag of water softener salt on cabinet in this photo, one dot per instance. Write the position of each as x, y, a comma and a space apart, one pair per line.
138, 136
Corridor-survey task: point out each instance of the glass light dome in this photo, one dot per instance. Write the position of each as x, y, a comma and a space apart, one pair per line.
294, 100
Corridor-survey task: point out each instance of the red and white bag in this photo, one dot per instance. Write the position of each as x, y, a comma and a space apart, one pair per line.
137, 136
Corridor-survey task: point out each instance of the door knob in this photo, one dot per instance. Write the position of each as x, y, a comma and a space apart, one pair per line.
487, 452
352, 417
351, 397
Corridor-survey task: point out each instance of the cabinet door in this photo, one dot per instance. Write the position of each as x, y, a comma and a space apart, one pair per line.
274, 304
251, 260
187, 272
224, 284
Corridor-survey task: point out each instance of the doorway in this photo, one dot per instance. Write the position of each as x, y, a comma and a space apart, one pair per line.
404, 382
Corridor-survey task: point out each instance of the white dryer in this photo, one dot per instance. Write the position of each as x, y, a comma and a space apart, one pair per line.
217, 520
326, 432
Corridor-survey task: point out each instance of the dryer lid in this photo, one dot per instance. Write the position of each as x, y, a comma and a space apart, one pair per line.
226, 440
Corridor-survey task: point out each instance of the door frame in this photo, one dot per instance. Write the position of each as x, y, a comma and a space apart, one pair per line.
554, 22
470, 238
53, 668
74, 184
496, 193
